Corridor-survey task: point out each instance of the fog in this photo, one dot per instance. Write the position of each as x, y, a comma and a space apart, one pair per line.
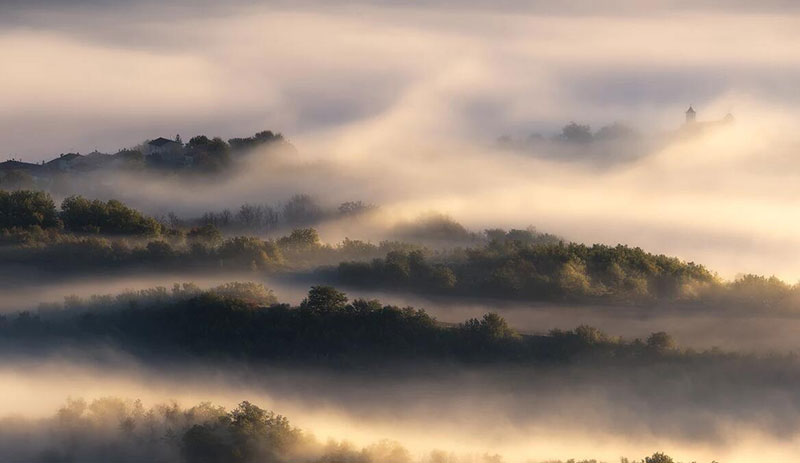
403, 106
523, 416
400, 106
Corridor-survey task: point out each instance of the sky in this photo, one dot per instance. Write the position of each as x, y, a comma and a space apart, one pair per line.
91, 74
400, 103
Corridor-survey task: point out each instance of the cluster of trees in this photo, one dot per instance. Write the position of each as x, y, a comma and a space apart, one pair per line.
515, 265
398, 270
607, 146
248, 292
579, 133
207, 154
213, 154
435, 229
92, 254
199, 248
326, 327
441, 231
115, 429
202, 154
301, 210
519, 265
109, 234
26, 208
23, 209
25, 213
259, 139
111, 217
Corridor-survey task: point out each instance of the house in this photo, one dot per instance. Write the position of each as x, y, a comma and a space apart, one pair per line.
165, 150
94, 160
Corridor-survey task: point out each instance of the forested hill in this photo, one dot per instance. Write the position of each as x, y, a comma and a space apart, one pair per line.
85, 236
244, 321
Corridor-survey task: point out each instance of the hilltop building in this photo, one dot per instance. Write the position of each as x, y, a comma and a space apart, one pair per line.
692, 125
166, 150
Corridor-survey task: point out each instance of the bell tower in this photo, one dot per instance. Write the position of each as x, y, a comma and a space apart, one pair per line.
690, 115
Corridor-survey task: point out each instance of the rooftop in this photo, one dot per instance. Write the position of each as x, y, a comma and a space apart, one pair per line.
161, 141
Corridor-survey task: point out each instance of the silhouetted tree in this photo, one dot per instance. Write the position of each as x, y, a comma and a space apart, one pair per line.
301, 210
324, 299
576, 133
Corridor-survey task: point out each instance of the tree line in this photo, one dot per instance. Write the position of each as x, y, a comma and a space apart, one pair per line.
24, 209
512, 268
516, 266
243, 322
301, 210
115, 429
90, 235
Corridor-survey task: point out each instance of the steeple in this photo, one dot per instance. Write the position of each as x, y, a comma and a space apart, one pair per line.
690, 115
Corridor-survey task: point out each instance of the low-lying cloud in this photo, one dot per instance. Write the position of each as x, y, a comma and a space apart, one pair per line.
400, 106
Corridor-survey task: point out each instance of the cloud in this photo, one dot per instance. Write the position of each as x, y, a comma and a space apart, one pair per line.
399, 105
110, 75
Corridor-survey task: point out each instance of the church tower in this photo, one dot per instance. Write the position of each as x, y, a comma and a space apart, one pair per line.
690, 115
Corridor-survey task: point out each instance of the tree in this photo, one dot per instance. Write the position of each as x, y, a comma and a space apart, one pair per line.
301, 210
253, 293
249, 252
660, 342
355, 208
257, 216
206, 443
209, 154
433, 227
576, 133
495, 327
324, 299
301, 239
160, 250
659, 457
206, 234
249, 216
261, 138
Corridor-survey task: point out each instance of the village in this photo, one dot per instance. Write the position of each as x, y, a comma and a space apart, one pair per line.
201, 154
